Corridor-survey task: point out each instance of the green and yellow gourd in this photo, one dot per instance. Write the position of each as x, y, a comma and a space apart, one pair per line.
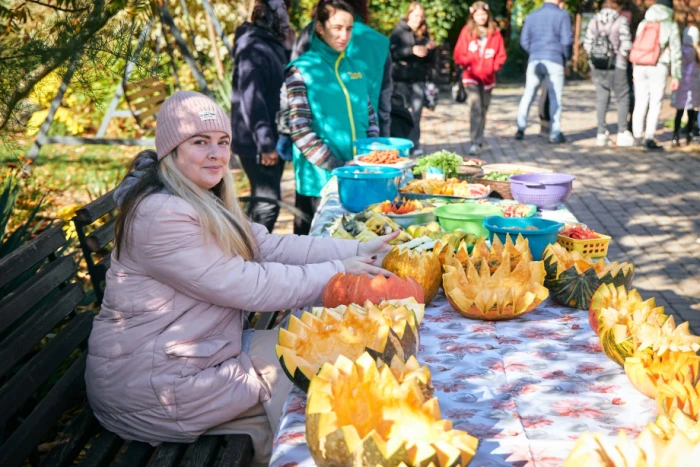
572, 280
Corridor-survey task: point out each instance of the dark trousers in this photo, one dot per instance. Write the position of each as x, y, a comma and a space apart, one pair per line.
308, 205
264, 181
606, 82
412, 95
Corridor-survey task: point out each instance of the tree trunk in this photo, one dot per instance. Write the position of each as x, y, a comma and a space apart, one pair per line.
167, 18
217, 25
215, 49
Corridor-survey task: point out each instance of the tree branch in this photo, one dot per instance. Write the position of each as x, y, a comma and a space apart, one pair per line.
57, 8
96, 20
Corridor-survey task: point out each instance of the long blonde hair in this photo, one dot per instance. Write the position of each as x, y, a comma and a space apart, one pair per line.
220, 216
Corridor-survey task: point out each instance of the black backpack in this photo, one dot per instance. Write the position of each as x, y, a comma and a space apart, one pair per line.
602, 51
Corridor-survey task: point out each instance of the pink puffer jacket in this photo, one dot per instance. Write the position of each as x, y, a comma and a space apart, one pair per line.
164, 360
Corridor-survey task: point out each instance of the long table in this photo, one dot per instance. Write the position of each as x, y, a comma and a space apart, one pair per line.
527, 388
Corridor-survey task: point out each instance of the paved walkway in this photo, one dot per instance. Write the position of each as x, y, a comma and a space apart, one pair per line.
648, 202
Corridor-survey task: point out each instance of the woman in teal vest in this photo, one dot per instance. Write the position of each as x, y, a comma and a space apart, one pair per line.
330, 106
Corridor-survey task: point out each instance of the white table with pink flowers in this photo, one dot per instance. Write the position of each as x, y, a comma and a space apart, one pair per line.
527, 388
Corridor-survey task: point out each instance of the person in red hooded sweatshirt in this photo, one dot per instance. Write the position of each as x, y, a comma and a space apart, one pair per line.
480, 51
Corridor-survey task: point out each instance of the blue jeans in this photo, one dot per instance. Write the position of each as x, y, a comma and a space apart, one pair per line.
538, 70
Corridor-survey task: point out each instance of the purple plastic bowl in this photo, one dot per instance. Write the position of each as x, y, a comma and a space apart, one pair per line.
545, 190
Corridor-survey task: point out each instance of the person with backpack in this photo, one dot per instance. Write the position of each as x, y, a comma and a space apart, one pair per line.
546, 36
687, 97
608, 43
481, 52
656, 46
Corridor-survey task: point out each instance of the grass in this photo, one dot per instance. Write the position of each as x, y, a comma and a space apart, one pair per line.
67, 177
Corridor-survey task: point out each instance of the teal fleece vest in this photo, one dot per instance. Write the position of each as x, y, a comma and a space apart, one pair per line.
369, 49
337, 92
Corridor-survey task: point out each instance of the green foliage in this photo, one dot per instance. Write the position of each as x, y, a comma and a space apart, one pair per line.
441, 15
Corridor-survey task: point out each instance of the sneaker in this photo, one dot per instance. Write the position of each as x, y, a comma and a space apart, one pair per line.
602, 139
558, 139
650, 145
625, 140
520, 135
473, 150
638, 142
675, 142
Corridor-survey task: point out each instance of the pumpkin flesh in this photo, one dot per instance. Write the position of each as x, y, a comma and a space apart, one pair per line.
385, 332
422, 266
358, 414
646, 371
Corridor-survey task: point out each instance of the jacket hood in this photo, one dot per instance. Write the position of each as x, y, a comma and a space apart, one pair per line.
659, 13
606, 16
247, 33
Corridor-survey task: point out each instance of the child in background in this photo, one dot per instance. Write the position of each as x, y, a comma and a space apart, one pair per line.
687, 97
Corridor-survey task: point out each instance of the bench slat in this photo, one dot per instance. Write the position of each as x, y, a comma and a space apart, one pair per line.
150, 112
29, 333
238, 452
76, 435
102, 235
98, 208
266, 320
136, 455
102, 450
151, 101
39, 368
204, 451
160, 87
140, 84
24, 258
35, 289
61, 397
168, 454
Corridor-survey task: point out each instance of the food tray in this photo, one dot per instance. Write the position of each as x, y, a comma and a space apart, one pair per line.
506, 202
422, 196
595, 247
401, 165
512, 168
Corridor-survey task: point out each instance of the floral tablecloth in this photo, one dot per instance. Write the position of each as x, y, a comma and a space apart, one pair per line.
527, 388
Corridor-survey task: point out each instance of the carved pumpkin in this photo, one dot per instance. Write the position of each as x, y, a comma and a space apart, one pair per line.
345, 289
421, 265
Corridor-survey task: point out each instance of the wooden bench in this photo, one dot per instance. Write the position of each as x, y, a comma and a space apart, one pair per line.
43, 339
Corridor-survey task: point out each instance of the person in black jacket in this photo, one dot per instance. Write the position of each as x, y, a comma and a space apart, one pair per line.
258, 75
411, 49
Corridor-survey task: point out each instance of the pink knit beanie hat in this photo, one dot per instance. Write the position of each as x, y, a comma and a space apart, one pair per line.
183, 115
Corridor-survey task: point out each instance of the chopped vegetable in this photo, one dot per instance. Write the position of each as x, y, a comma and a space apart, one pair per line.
579, 233
385, 157
446, 161
497, 176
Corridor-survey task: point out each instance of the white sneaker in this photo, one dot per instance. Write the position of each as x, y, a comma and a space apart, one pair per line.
602, 139
625, 140
473, 150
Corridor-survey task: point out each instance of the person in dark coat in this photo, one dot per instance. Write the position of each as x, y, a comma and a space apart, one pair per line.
411, 52
258, 75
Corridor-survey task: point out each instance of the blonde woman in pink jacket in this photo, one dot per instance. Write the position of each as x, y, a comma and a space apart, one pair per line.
169, 356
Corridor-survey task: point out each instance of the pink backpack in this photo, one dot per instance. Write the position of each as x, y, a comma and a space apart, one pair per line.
646, 49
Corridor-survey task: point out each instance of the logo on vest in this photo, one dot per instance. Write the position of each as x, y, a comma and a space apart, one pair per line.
355, 74
205, 115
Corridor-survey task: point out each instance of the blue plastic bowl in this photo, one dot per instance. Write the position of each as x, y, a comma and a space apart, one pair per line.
367, 145
361, 186
546, 233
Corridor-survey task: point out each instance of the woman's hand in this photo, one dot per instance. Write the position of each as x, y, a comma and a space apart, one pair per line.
379, 246
364, 265
420, 51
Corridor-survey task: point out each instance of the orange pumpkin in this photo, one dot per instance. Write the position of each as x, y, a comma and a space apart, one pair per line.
344, 289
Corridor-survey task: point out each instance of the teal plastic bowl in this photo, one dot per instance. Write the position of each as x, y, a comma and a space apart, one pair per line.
367, 145
466, 216
546, 233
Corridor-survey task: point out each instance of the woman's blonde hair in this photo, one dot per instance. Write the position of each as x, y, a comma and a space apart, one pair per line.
422, 30
220, 216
